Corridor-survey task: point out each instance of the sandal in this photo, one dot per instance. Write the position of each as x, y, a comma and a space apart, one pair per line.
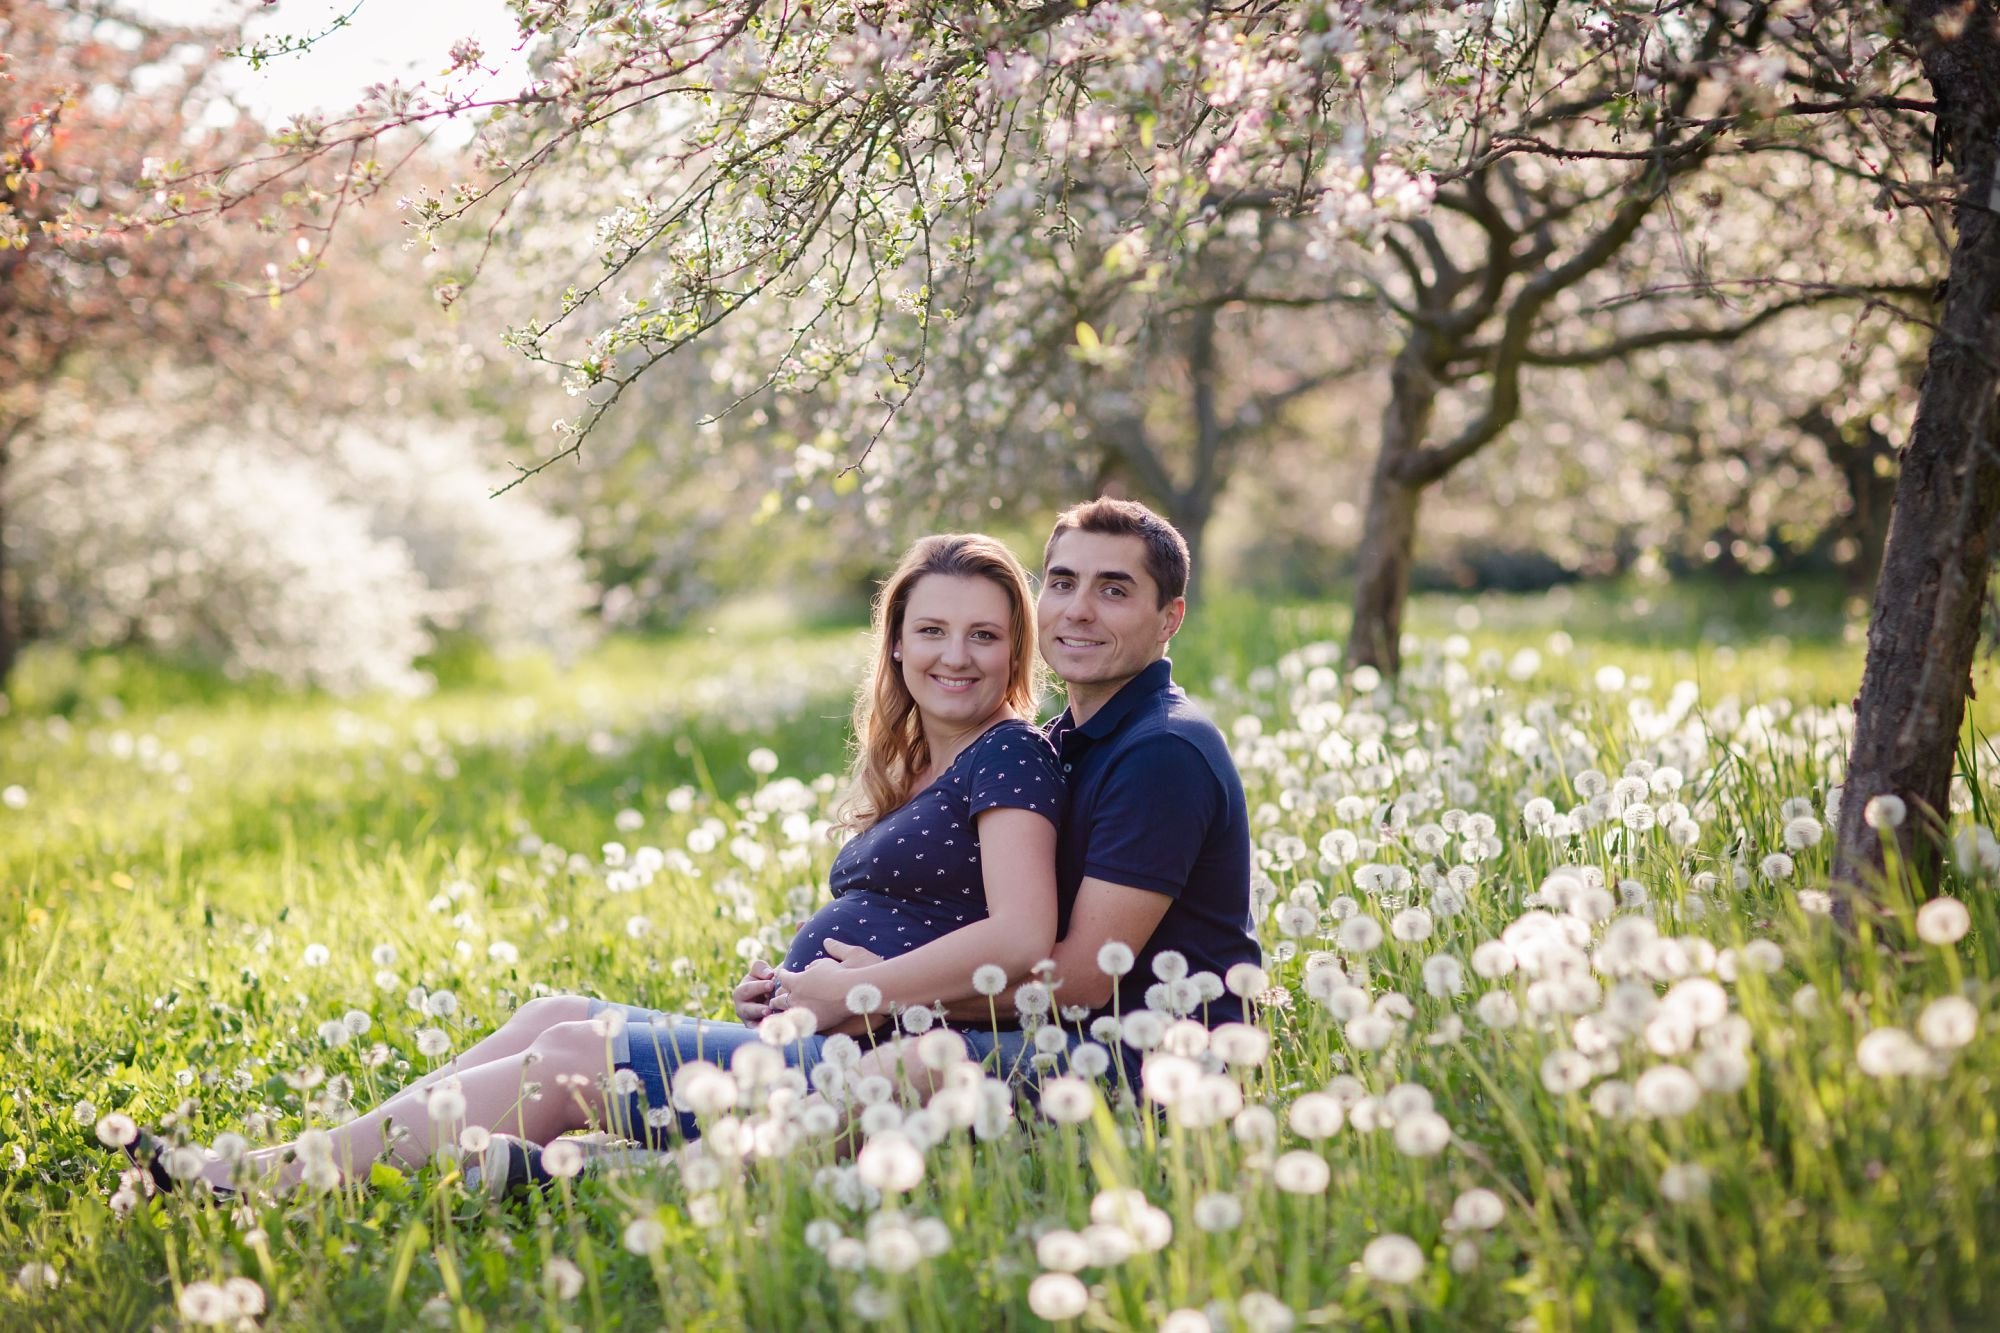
148, 1153
509, 1166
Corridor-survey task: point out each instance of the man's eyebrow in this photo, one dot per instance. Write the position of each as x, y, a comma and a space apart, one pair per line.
1103, 576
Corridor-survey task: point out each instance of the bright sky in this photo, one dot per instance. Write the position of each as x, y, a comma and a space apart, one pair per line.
386, 39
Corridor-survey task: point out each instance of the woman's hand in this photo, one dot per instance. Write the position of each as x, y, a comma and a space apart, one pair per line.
823, 987
753, 994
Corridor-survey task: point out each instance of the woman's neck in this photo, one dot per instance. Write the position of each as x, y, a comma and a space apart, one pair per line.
946, 743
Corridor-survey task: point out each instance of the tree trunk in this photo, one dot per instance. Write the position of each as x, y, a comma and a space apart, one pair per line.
1925, 627
1856, 453
1190, 513
1389, 529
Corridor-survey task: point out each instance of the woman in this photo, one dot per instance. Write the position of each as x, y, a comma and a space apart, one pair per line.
951, 864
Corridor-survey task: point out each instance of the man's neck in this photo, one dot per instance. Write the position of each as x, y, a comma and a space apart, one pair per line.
1086, 699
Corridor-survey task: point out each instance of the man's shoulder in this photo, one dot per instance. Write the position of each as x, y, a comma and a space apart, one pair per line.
1172, 731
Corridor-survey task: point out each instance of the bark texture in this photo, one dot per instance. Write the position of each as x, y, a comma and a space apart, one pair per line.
1924, 630
1389, 530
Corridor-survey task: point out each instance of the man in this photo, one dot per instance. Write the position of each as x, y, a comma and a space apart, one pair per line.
1155, 851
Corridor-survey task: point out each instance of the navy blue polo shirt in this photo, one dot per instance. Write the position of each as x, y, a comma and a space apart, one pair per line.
1155, 803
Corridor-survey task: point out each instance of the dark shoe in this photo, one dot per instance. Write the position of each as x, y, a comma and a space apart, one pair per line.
508, 1167
149, 1153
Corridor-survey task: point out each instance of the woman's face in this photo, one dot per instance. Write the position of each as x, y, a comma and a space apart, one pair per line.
957, 644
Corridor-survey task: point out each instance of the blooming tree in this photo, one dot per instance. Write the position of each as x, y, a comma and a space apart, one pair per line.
87, 92
845, 186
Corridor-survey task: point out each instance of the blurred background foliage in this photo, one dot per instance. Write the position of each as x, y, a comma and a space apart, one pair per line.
291, 485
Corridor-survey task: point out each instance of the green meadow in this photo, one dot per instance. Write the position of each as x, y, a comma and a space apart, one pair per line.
1557, 1031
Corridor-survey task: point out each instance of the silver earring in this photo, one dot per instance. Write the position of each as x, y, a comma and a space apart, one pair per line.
897, 654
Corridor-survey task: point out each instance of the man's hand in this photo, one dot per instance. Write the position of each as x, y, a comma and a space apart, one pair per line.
823, 986
753, 994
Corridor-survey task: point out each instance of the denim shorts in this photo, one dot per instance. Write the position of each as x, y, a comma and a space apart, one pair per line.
653, 1045
1009, 1054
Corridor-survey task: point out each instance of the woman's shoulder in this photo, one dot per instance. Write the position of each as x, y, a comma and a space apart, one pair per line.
1013, 747
1014, 736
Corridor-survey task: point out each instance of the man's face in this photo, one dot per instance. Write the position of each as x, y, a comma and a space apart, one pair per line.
1099, 621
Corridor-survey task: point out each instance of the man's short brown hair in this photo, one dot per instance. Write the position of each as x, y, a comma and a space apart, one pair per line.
1166, 549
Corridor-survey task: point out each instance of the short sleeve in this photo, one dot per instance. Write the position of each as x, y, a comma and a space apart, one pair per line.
1016, 768
1152, 817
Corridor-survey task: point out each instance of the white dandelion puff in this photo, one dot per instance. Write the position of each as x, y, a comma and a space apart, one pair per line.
1394, 1259
1943, 921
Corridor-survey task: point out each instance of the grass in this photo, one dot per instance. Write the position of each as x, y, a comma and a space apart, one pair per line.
184, 842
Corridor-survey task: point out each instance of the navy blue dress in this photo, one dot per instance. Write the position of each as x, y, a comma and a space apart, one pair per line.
915, 874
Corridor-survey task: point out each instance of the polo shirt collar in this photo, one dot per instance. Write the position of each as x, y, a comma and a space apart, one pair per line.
1153, 680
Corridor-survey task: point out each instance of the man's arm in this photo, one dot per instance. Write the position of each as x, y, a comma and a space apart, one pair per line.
1104, 912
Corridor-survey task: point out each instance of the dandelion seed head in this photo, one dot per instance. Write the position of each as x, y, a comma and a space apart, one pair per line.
1057, 1296
1943, 921
1477, 1209
1887, 811
1684, 1183
1301, 1172
1948, 1023
1393, 1259
562, 1159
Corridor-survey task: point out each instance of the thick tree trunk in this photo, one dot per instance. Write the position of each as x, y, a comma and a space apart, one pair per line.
1389, 529
1939, 556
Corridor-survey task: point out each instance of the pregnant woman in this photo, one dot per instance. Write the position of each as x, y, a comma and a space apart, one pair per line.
950, 865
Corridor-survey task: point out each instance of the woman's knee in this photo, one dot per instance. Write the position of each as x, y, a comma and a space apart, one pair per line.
545, 1011
574, 1045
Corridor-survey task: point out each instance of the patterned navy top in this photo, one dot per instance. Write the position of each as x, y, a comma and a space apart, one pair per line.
915, 874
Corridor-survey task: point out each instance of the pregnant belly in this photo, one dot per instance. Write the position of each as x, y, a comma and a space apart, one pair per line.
878, 924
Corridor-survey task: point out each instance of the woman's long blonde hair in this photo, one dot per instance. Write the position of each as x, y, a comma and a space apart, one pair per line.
891, 754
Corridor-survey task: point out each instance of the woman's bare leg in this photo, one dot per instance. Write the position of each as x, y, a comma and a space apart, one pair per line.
554, 1085
514, 1036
